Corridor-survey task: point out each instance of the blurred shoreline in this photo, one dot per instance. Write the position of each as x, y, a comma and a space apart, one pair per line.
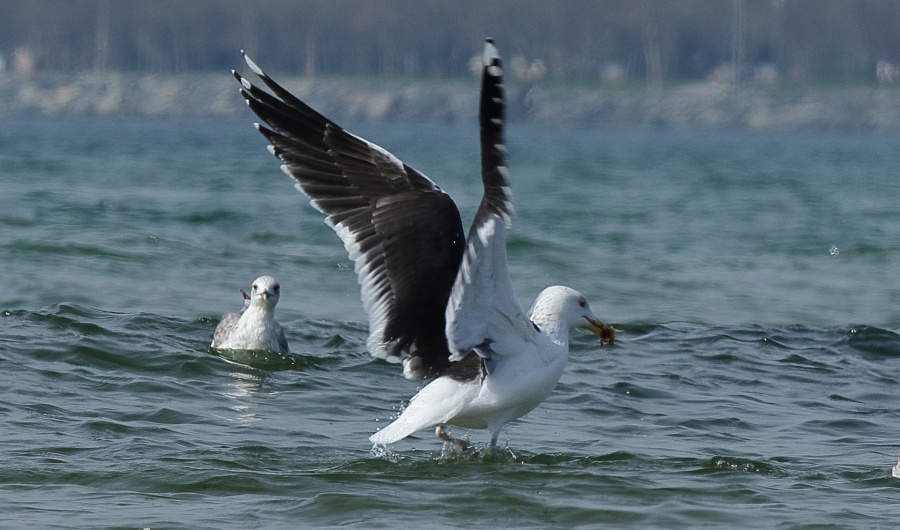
696, 105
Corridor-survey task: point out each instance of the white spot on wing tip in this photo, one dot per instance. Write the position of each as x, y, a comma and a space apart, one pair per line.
490, 51
287, 171
246, 84
256, 70
271, 149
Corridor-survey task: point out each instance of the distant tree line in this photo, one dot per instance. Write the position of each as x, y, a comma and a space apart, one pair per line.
650, 40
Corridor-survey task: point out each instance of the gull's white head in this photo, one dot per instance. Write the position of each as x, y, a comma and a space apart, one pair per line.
559, 308
265, 291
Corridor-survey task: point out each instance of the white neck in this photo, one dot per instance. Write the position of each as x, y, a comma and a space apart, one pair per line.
553, 327
257, 312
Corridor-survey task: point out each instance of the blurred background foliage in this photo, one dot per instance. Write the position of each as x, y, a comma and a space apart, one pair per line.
574, 40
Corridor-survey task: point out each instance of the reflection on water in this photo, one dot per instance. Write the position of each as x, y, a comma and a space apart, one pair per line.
243, 385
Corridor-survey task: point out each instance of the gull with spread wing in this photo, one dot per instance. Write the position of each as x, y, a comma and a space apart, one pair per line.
437, 301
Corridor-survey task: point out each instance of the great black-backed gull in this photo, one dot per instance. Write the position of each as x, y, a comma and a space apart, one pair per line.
439, 302
254, 328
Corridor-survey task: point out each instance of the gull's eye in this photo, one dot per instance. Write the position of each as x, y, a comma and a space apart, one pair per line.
255, 287
277, 288
582, 302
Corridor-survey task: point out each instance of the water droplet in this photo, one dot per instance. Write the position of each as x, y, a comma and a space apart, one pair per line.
834, 250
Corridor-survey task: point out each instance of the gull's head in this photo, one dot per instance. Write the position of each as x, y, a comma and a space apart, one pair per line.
568, 309
265, 291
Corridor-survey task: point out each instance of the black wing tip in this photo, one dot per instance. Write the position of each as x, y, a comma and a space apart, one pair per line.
245, 83
492, 104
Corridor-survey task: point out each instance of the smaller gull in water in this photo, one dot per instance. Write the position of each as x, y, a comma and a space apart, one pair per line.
254, 328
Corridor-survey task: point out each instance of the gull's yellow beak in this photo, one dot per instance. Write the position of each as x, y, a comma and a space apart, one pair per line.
606, 332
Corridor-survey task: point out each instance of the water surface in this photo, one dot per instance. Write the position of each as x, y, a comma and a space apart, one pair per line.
755, 276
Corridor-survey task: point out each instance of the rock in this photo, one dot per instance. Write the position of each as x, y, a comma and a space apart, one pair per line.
705, 105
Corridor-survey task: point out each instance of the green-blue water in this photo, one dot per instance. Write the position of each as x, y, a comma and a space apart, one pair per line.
756, 276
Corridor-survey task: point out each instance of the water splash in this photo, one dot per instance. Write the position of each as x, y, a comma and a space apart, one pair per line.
383, 452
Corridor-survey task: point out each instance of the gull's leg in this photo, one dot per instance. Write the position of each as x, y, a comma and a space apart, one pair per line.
493, 446
494, 436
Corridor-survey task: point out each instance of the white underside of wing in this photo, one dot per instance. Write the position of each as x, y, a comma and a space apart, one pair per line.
483, 309
375, 290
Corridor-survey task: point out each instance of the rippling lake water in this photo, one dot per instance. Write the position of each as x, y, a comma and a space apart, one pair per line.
756, 277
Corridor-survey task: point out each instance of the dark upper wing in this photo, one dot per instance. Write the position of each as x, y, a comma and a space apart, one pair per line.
402, 231
497, 200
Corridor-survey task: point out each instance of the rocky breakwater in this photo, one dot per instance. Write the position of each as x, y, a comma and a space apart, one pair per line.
716, 105
699, 105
